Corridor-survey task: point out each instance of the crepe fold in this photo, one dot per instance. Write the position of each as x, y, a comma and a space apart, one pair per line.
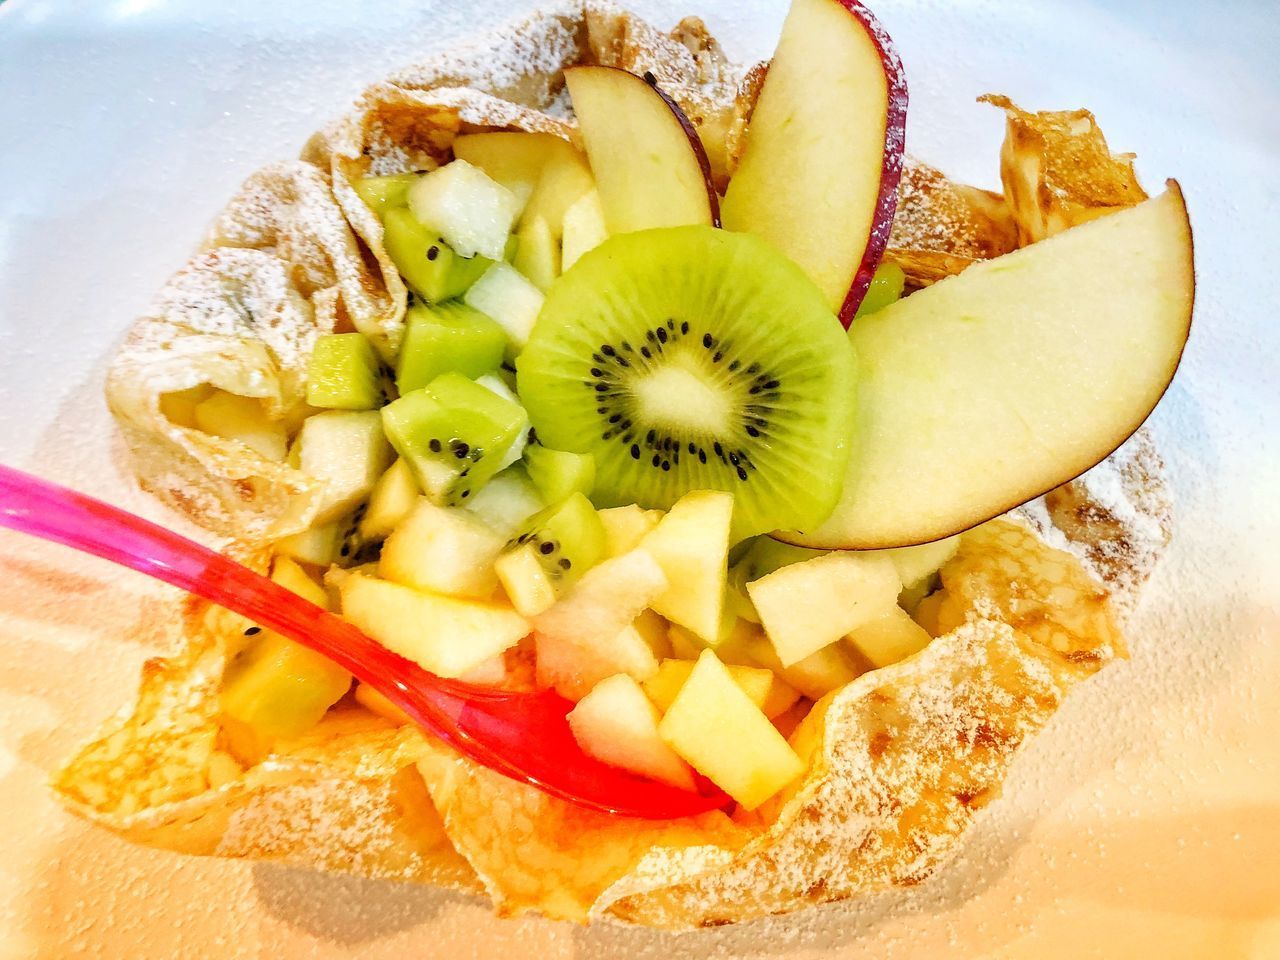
900, 760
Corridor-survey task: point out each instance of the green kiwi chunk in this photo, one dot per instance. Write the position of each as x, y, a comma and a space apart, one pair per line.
559, 473
345, 373
568, 539
428, 264
886, 286
444, 337
690, 358
453, 433
385, 193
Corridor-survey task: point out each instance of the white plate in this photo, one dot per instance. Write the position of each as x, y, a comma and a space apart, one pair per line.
1140, 824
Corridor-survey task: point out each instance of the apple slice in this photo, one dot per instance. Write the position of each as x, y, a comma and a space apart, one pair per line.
819, 175
989, 388
647, 159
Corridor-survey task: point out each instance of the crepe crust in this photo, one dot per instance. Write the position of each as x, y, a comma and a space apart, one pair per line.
899, 760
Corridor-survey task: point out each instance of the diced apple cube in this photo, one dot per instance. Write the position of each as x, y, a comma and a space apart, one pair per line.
349, 452
565, 177
915, 564
616, 723
756, 682
691, 544
471, 211
584, 228
889, 638
243, 419
442, 550
625, 527
815, 676
586, 632
507, 501
525, 580
715, 727
316, 545
537, 253
393, 497
504, 295
447, 636
573, 669
807, 606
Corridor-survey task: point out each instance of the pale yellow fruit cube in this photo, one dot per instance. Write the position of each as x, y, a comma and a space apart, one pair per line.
525, 580
807, 606
625, 527
445, 635
691, 545
715, 727
616, 723
889, 638
442, 550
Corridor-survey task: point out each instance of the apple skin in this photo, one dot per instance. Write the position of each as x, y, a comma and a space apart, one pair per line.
895, 139
695, 141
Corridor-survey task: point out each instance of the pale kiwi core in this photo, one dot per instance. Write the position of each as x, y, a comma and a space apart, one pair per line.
674, 395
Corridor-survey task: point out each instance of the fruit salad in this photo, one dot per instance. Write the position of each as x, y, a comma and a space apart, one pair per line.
686, 417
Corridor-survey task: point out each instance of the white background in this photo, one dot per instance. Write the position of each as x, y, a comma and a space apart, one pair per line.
1145, 819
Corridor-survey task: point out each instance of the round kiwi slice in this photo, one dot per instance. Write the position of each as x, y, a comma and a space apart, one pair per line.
690, 358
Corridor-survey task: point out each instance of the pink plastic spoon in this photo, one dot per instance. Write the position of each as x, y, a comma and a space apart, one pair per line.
524, 736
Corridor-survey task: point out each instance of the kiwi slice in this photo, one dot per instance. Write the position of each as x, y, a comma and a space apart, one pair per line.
447, 336
691, 358
454, 434
427, 263
344, 373
567, 539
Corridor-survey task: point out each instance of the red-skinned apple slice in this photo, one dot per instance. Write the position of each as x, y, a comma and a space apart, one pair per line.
648, 161
819, 175
992, 387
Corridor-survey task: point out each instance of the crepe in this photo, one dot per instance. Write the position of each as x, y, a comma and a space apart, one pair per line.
900, 760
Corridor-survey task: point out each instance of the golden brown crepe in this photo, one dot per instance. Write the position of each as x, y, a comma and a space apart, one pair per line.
900, 759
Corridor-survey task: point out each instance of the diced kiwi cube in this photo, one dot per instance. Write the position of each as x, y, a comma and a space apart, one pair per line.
558, 473
447, 337
453, 433
344, 373
568, 539
426, 262
385, 193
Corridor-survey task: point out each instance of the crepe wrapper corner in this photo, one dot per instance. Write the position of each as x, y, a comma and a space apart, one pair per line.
899, 760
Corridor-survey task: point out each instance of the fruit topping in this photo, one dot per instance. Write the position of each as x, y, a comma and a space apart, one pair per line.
507, 296
710, 713
557, 473
347, 450
566, 540
689, 358
819, 174
454, 434
616, 723
647, 159
468, 208
442, 550
989, 388
428, 265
